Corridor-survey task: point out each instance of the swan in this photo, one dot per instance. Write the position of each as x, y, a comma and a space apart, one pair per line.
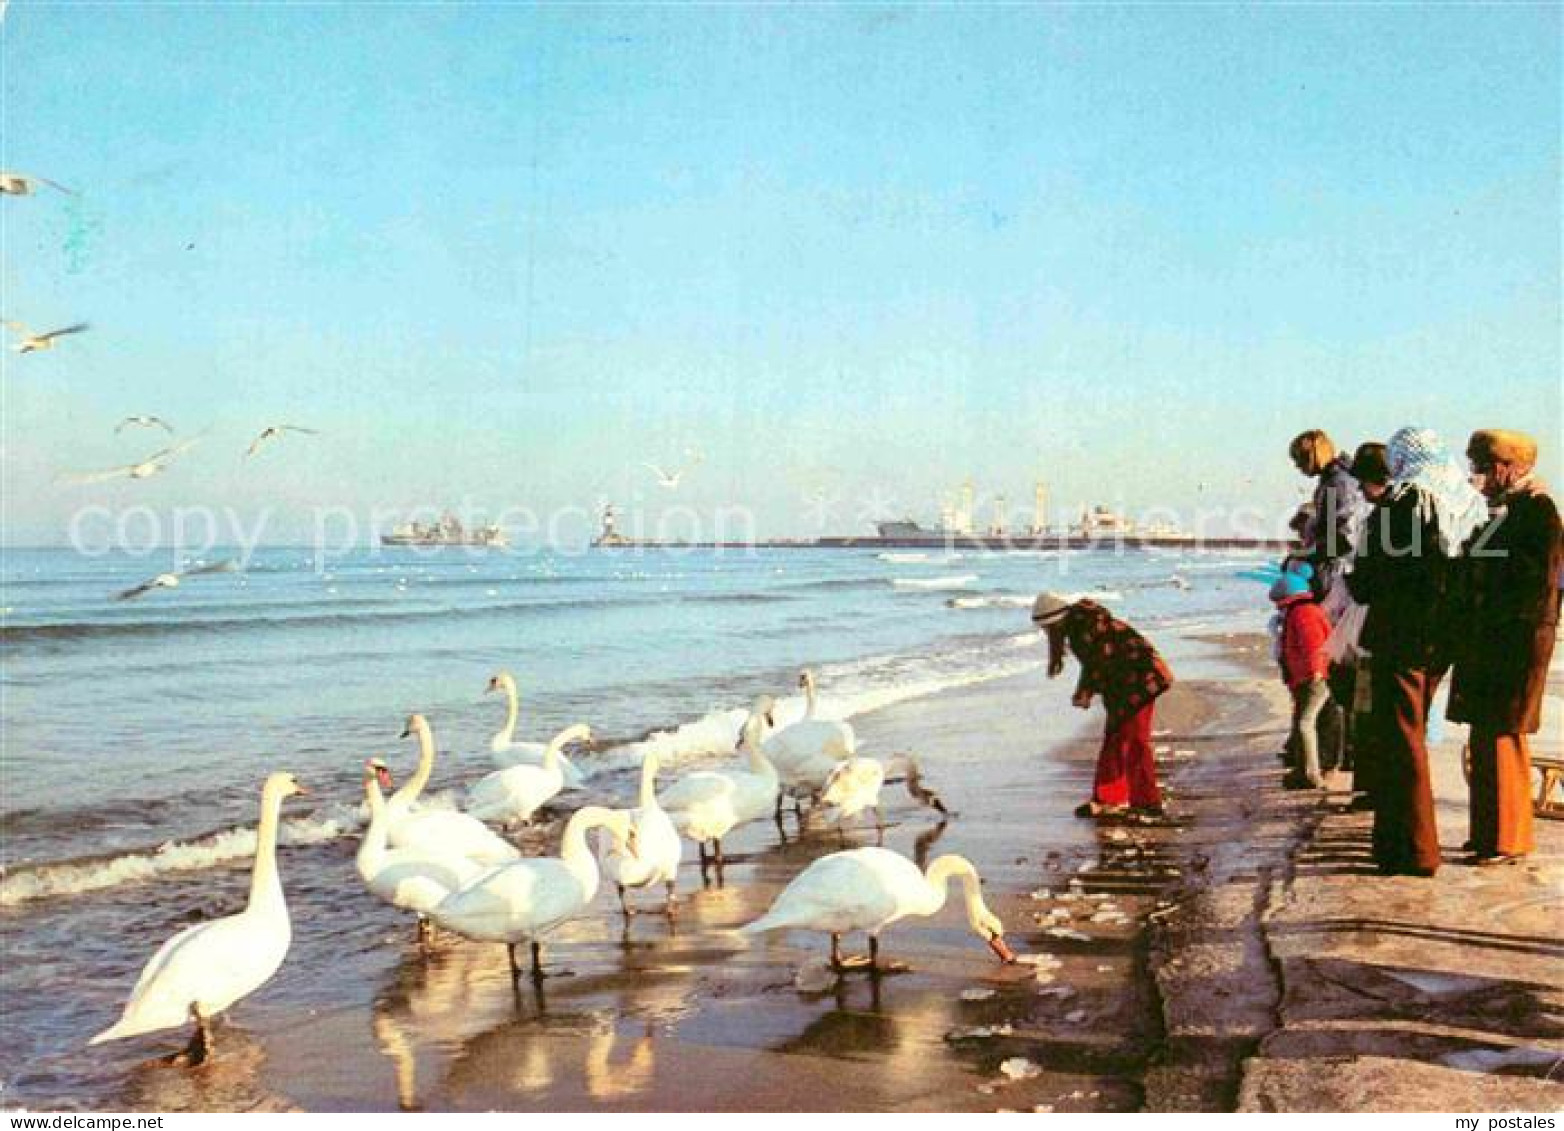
707, 804
516, 793
442, 829
525, 900
804, 752
507, 750
416, 878
868, 889
204, 969
658, 850
854, 785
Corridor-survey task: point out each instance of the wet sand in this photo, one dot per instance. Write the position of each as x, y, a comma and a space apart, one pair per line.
688, 1017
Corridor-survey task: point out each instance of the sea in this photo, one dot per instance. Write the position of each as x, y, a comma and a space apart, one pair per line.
136, 732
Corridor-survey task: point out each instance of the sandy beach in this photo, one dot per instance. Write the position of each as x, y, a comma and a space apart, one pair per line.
690, 1018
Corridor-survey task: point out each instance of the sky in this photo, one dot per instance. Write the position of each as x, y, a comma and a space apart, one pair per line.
503, 256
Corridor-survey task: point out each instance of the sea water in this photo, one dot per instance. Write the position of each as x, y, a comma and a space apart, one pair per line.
136, 733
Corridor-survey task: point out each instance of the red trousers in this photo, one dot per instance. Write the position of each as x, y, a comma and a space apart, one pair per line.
1126, 774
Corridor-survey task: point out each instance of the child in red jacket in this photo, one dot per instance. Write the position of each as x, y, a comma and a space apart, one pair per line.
1305, 664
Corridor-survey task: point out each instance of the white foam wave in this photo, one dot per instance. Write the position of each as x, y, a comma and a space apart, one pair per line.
952, 581
996, 601
889, 557
52, 880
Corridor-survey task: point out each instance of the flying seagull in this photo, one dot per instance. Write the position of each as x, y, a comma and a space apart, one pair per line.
147, 468
670, 479
143, 422
275, 433
31, 341
170, 580
21, 184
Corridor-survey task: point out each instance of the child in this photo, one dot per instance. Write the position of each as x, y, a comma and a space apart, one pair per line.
1118, 664
1305, 664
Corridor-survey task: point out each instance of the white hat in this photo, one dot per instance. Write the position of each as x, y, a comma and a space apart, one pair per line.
1048, 608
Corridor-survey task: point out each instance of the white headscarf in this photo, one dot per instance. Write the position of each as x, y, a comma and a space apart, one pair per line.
1420, 460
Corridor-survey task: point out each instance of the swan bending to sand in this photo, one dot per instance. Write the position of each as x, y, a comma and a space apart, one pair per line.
658, 850
525, 900
868, 889
415, 879
204, 969
441, 829
856, 783
707, 804
34, 342
515, 793
507, 750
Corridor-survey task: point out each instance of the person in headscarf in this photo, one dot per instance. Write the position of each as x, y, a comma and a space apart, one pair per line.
1120, 665
1402, 573
1508, 616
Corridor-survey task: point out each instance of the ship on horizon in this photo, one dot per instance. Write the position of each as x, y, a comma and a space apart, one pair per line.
448, 531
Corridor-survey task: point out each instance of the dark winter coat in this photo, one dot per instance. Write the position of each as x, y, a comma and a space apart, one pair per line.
1403, 577
1507, 615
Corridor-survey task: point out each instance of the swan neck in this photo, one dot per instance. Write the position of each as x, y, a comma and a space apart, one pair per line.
809, 699
575, 853
415, 784
512, 710
373, 848
265, 884
942, 871
649, 783
759, 763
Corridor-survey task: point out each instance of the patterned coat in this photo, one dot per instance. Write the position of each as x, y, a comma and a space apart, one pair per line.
1506, 613
1116, 661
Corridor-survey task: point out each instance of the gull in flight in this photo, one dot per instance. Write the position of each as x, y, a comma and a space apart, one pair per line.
143, 422
21, 184
31, 341
275, 433
147, 468
170, 580
670, 479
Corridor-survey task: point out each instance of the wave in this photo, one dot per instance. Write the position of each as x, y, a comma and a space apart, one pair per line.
953, 581
909, 557
76, 877
997, 601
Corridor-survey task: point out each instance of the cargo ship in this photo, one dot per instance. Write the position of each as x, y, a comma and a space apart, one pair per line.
448, 531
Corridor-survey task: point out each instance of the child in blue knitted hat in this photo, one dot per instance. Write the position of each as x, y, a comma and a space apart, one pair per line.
1302, 629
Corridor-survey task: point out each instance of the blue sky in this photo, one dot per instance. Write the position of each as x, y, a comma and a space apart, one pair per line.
502, 255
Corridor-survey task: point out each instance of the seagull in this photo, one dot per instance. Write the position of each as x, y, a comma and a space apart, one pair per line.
170, 580
143, 422
274, 432
20, 184
147, 468
670, 479
31, 341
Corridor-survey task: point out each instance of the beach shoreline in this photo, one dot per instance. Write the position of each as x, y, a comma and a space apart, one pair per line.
693, 1020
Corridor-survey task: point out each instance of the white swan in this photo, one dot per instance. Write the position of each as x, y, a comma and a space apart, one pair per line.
507, 750
854, 785
514, 794
442, 829
707, 804
525, 900
204, 969
806, 751
868, 889
414, 879
658, 847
